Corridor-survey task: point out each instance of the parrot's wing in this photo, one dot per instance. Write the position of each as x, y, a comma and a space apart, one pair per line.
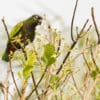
16, 29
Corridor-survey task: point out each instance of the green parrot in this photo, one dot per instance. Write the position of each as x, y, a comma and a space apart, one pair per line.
22, 33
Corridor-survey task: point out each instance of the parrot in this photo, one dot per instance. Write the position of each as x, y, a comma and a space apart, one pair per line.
22, 33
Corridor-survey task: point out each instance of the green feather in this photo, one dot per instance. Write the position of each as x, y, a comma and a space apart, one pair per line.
5, 57
16, 29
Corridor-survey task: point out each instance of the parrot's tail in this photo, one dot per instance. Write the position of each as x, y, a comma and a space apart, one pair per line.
5, 56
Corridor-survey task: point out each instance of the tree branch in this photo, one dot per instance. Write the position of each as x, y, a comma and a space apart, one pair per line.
37, 83
92, 56
72, 22
76, 86
95, 25
72, 46
35, 86
6, 29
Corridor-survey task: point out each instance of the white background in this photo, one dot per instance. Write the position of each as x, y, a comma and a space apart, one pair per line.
16, 10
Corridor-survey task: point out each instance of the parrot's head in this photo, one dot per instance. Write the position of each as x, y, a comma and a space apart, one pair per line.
37, 19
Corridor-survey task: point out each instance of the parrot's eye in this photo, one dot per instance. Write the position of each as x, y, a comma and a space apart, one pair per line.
37, 18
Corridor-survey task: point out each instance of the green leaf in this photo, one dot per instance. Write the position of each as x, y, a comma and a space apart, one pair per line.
51, 61
94, 74
31, 58
54, 82
48, 55
29, 64
44, 59
49, 50
26, 71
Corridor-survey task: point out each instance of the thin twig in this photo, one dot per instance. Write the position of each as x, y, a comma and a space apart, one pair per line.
76, 86
68, 54
86, 62
87, 96
37, 83
25, 80
89, 28
45, 92
95, 25
92, 57
72, 46
86, 31
6, 29
14, 78
4, 89
35, 86
72, 22
84, 26
59, 44
7, 32
23, 90
6, 84
77, 31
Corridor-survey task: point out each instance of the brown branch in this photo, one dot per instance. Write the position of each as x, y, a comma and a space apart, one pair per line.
89, 28
66, 57
35, 86
91, 89
77, 30
23, 90
72, 46
37, 83
6, 84
86, 62
92, 56
4, 89
6, 29
45, 92
14, 78
76, 86
84, 26
6, 92
95, 25
59, 44
72, 22
86, 31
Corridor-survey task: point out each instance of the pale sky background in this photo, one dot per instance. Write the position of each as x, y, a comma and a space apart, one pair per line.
16, 10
